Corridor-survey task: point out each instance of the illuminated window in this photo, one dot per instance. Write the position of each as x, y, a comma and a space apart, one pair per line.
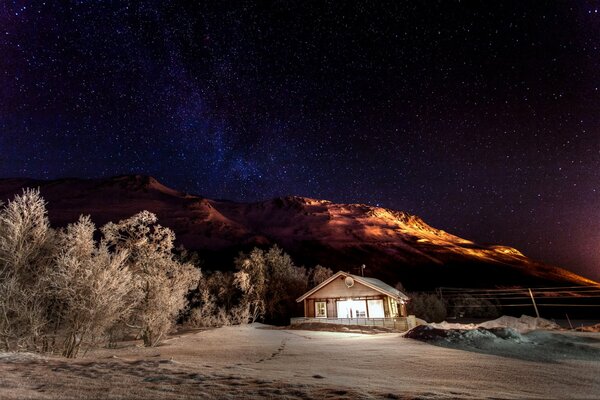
320, 309
376, 309
394, 310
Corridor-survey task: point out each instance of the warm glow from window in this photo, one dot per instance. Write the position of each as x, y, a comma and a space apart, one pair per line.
320, 309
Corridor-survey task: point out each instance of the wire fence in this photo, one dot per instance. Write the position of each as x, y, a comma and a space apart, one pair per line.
549, 299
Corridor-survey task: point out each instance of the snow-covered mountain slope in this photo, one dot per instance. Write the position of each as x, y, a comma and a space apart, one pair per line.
395, 246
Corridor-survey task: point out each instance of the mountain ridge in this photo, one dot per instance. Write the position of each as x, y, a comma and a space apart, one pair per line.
395, 245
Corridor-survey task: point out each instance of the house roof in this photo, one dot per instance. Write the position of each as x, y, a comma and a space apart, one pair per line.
373, 283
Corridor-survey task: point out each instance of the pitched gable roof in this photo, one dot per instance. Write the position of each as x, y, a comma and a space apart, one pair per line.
393, 292
372, 283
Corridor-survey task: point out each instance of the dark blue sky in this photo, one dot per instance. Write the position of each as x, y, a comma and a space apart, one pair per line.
482, 118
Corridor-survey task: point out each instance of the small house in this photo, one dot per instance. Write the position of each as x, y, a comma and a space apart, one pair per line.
345, 297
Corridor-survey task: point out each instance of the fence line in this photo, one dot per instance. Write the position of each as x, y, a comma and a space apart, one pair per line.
580, 297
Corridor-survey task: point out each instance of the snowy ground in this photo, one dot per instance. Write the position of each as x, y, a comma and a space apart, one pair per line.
258, 362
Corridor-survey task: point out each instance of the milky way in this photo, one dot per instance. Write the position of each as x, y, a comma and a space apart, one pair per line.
483, 119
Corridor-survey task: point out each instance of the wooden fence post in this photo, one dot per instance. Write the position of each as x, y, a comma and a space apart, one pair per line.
534, 305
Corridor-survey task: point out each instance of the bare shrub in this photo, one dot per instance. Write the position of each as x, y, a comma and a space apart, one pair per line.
26, 243
211, 301
163, 281
93, 286
270, 283
285, 283
65, 288
251, 279
221, 285
241, 314
319, 274
208, 314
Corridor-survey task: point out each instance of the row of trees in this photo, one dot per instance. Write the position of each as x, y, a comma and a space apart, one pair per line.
264, 287
61, 290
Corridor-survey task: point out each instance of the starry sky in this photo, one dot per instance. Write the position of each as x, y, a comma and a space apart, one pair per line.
480, 117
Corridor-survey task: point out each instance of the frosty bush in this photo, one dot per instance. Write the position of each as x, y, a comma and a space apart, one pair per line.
319, 274
207, 313
270, 283
251, 280
26, 245
60, 290
163, 282
93, 286
212, 301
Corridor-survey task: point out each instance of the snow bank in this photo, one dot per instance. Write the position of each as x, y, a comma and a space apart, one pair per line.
522, 324
524, 338
477, 337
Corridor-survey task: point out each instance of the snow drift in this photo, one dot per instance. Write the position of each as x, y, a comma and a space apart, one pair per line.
526, 338
522, 324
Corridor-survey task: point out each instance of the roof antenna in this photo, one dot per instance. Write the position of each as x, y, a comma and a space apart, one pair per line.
362, 270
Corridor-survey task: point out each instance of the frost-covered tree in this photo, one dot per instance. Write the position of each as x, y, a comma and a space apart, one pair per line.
251, 279
26, 244
163, 281
93, 287
286, 282
207, 312
222, 286
270, 283
215, 303
319, 274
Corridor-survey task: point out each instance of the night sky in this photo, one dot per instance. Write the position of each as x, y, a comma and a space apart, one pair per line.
482, 118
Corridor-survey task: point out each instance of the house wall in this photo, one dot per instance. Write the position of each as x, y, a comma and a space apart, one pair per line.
310, 307
338, 288
331, 309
